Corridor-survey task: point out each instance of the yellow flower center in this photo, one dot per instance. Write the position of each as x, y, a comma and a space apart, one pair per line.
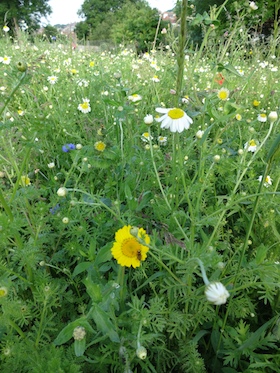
263, 115
130, 247
176, 113
252, 143
256, 103
267, 179
100, 146
25, 181
223, 95
85, 105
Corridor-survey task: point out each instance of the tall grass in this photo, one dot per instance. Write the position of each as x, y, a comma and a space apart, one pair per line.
208, 198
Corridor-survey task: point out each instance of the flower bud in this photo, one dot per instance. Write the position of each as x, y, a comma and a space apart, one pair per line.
199, 134
134, 231
216, 293
79, 333
148, 119
62, 192
21, 66
3, 291
273, 116
141, 352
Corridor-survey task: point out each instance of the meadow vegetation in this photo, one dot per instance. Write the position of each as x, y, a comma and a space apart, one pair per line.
125, 246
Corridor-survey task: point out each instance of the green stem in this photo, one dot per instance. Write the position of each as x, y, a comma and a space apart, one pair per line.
120, 281
17, 328
6, 206
12, 93
162, 190
20, 173
181, 51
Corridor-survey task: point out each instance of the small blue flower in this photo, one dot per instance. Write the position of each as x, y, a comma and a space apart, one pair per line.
54, 209
66, 148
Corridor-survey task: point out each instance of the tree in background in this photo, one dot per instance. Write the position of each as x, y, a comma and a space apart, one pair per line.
137, 24
14, 12
95, 13
126, 21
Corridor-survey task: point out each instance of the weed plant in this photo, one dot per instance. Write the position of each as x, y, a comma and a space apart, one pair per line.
83, 157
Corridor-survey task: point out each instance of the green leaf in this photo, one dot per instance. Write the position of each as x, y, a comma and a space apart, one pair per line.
255, 337
80, 347
104, 254
261, 254
229, 68
93, 290
274, 148
104, 324
81, 267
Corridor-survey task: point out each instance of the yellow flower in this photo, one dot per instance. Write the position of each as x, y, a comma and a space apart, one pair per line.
91, 64
25, 181
223, 94
256, 103
100, 146
127, 249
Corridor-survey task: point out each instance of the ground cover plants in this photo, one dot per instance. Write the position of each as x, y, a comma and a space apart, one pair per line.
140, 227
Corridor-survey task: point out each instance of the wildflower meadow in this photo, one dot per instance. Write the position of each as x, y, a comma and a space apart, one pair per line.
139, 220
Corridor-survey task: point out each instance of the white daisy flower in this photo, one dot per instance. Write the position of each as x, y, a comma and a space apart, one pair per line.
267, 182
135, 97
162, 140
262, 117
174, 119
146, 137
251, 146
84, 107
52, 79
5, 60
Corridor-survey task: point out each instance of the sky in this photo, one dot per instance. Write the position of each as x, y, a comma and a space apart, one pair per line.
65, 11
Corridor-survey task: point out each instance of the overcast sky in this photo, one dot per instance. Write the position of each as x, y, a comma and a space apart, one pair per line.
65, 11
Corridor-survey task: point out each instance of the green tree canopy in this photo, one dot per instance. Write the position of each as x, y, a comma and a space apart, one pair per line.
99, 16
29, 11
137, 23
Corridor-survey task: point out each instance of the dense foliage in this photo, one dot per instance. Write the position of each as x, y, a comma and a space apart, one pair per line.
126, 247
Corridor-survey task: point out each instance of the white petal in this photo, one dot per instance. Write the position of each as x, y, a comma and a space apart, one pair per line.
162, 110
161, 118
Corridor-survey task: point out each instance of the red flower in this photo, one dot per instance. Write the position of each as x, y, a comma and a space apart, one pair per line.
220, 79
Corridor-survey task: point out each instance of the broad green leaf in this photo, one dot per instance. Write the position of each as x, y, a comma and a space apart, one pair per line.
93, 290
81, 267
103, 254
104, 324
80, 347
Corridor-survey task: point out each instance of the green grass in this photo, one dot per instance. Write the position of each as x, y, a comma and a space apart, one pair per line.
198, 197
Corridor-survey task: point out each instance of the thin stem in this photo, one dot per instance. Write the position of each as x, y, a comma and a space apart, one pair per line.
181, 51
